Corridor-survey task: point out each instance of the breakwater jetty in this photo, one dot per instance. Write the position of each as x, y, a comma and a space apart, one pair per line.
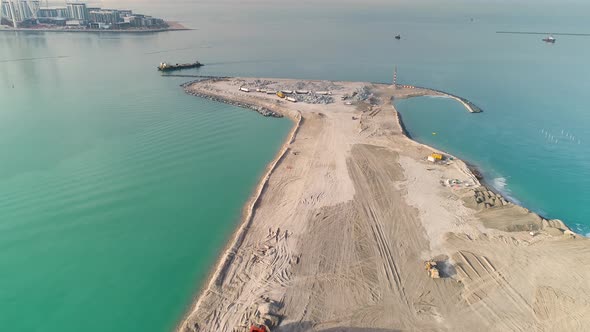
262, 110
469, 106
472, 108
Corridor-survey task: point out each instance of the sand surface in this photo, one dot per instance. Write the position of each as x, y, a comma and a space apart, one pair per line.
336, 235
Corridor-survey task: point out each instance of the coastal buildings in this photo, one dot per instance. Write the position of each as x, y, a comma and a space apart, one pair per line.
74, 15
108, 16
18, 10
77, 11
54, 12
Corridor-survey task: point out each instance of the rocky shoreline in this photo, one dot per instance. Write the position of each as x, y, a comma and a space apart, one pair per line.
261, 110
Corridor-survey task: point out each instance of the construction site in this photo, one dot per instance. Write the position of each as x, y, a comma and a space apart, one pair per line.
355, 227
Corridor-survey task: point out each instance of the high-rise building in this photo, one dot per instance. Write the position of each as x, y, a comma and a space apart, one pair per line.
21, 9
54, 12
77, 11
109, 16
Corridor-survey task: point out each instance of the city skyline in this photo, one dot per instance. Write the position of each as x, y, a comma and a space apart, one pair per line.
72, 15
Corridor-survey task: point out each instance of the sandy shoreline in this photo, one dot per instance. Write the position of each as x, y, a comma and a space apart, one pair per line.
337, 231
173, 26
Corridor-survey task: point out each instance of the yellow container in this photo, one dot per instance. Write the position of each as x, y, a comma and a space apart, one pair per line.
437, 156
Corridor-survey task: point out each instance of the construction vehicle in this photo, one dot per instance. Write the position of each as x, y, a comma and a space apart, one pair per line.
259, 328
437, 156
281, 94
434, 157
432, 269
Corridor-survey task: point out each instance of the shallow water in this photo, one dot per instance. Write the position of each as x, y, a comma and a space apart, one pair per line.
117, 190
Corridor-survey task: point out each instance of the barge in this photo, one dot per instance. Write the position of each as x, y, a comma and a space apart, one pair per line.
164, 66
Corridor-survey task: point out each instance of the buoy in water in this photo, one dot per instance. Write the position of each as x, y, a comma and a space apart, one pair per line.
433, 133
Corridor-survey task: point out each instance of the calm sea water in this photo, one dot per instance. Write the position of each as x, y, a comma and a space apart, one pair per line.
117, 190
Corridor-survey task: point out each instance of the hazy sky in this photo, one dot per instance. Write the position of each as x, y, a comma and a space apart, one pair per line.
188, 10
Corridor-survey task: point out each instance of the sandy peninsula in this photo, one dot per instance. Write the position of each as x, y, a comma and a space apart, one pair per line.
336, 235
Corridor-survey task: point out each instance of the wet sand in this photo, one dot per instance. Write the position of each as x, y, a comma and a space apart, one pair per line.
337, 232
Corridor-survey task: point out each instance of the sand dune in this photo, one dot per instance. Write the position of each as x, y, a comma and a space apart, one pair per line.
336, 236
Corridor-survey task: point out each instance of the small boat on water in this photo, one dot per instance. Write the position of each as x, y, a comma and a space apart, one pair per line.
398, 37
549, 39
164, 66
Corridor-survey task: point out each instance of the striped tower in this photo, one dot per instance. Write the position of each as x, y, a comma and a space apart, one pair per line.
395, 78
10, 4
19, 10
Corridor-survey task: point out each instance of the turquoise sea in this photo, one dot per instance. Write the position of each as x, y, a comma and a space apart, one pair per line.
118, 191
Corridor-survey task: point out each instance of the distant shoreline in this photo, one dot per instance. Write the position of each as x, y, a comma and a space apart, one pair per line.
173, 26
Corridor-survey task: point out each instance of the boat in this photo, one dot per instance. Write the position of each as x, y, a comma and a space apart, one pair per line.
398, 37
164, 66
549, 39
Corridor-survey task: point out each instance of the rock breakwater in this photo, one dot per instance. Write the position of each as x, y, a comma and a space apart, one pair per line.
261, 110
